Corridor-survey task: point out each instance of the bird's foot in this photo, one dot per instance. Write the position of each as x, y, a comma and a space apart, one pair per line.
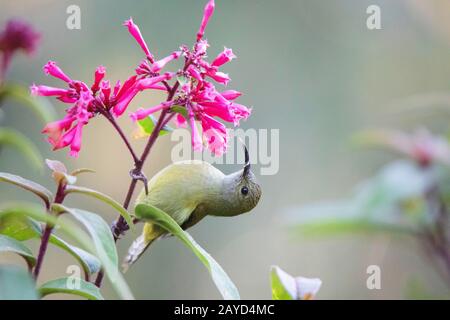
137, 174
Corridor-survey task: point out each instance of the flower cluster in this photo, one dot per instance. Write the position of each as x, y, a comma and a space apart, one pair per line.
198, 95
193, 93
17, 35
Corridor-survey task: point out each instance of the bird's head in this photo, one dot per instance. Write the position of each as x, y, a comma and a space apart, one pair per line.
241, 190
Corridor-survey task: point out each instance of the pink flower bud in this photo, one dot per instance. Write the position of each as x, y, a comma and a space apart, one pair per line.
158, 65
105, 87
75, 145
52, 69
133, 29
194, 73
196, 139
99, 75
148, 83
220, 77
216, 135
225, 56
230, 94
142, 113
47, 91
207, 13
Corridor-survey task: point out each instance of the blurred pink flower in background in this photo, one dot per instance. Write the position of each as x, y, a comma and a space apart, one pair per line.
17, 36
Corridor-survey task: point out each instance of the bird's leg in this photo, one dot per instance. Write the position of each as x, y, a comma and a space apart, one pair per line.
137, 174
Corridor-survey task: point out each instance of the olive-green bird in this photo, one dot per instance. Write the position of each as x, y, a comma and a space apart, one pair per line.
190, 190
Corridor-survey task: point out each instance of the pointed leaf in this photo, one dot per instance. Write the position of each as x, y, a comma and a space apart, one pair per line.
88, 262
16, 284
23, 228
73, 231
147, 125
8, 244
220, 278
17, 227
103, 197
181, 110
29, 185
21, 143
65, 285
104, 245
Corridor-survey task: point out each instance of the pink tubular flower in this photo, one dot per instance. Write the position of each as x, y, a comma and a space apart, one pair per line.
225, 56
132, 87
215, 134
47, 91
158, 65
55, 129
142, 113
220, 77
197, 144
207, 13
133, 29
231, 94
98, 77
52, 69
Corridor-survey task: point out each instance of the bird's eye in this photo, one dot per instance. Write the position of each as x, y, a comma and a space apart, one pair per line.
244, 190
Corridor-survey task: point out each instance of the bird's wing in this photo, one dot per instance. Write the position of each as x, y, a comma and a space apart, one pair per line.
197, 215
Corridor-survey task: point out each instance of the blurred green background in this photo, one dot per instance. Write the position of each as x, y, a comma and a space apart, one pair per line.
309, 68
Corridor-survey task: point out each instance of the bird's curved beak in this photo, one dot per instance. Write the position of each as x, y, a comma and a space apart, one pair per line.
247, 163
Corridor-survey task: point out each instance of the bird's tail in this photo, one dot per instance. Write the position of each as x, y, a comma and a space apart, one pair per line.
139, 245
137, 248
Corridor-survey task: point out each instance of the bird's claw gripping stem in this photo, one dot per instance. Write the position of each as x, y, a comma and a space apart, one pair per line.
137, 174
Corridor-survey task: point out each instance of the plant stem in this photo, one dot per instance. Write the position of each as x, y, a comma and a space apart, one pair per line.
59, 198
119, 130
119, 226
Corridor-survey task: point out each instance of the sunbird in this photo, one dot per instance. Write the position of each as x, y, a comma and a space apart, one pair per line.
190, 190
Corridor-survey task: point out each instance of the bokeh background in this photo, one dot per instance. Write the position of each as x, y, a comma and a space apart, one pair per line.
309, 68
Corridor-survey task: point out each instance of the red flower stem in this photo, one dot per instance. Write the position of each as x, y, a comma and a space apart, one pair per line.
59, 198
119, 130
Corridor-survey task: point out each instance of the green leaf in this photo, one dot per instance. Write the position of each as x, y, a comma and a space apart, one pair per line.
88, 262
182, 80
77, 234
16, 284
17, 227
147, 125
104, 245
34, 187
179, 109
100, 234
380, 204
105, 198
21, 143
220, 278
41, 106
65, 285
23, 228
8, 244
